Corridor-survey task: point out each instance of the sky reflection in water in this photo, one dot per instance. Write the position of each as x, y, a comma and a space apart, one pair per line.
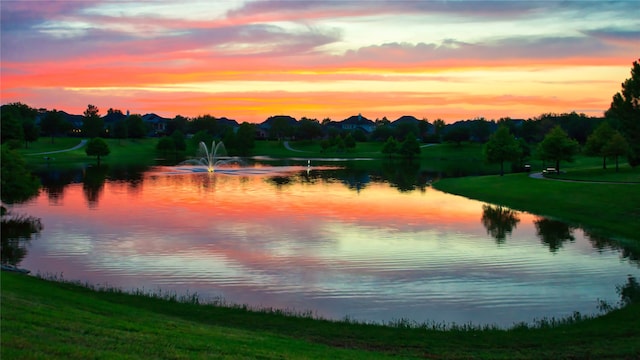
313, 244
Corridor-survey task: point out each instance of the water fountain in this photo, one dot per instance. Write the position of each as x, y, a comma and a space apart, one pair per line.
209, 157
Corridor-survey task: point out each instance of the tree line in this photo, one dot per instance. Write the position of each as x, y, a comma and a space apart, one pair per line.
552, 137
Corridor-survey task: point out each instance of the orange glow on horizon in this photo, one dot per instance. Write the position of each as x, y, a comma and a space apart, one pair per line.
251, 60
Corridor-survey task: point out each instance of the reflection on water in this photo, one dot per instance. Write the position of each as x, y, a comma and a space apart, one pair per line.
553, 233
16, 233
499, 221
312, 240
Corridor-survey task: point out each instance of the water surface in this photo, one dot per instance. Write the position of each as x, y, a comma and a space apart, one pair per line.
338, 245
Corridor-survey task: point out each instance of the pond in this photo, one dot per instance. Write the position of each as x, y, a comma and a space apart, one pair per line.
336, 242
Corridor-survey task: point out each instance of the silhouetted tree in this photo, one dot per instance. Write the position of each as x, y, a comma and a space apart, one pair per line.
201, 136
18, 124
409, 147
166, 145
136, 127
480, 129
93, 124
557, 146
439, 126
390, 146
52, 124
179, 123
16, 182
98, 148
597, 140
457, 135
501, 147
245, 138
281, 127
31, 132
625, 110
616, 146
308, 129
349, 142
11, 128
120, 130
178, 140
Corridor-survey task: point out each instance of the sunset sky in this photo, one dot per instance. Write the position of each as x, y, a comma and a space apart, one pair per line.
248, 60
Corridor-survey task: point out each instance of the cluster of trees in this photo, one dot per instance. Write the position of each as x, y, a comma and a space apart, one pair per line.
408, 148
616, 136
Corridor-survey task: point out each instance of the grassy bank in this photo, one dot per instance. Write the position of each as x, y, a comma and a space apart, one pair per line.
601, 207
129, 151
53, 320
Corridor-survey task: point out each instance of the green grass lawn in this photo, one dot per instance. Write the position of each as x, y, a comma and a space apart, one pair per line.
129, 151
612, 208
43, 319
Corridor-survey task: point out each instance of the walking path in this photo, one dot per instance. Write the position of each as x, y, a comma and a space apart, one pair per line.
288, 147
81, 144
540, 176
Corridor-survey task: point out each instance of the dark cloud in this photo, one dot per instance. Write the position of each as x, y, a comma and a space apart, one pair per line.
24, 15
467, 8
498, 51
617, 36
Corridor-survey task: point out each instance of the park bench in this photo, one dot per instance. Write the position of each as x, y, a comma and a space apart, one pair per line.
550, 170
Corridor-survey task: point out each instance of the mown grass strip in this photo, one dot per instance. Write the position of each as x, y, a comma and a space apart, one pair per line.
53, 320
610, 208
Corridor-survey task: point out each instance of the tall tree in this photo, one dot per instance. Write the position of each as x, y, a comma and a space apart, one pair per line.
52, 123
616, 146
31, 132
457, 135
308, 129
17, 183
11, 128
410, 147
597, 140
439, 126
166, 145
390, 146
558, 146
93, 124
136, 128
502, 146
16, 118
245, 138
625, 110
98, 148
178, 139
120, 130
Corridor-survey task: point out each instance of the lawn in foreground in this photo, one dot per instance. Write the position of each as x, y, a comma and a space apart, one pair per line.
55, 320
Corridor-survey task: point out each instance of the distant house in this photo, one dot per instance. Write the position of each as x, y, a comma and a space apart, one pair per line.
157, 123
408, 120
357, 122
76, 122
224, 122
